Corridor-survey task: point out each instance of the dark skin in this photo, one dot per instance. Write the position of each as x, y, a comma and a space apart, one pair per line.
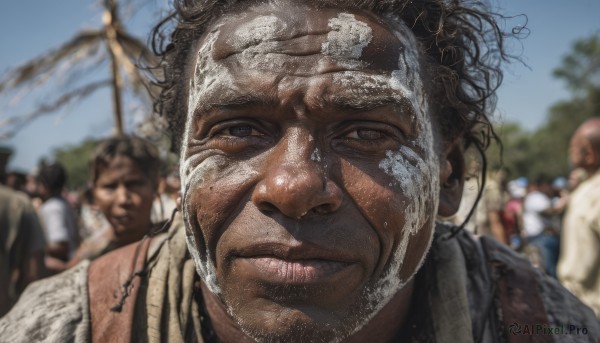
584, 150
285, 178
124, 193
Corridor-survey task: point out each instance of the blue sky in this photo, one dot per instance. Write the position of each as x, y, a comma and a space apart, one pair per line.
30, 27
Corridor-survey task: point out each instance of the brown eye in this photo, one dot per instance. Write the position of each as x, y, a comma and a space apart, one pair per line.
240, 130
366, 134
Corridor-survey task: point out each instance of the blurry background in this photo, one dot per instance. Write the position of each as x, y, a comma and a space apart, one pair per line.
540, 103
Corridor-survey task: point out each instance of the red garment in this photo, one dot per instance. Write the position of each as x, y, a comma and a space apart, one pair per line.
511, 216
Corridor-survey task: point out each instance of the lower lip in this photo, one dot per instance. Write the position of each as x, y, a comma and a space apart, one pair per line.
122, 220
296, 271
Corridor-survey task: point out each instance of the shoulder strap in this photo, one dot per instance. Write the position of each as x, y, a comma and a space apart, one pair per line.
518, 291
113, 285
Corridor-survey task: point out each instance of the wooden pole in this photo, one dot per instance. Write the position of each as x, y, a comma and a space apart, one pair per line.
109, 19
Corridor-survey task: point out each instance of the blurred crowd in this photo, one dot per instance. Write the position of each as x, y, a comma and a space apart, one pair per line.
524, 214
555, 223
46, 228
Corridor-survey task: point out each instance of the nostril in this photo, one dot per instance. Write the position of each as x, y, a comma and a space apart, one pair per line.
267, 208
322, 209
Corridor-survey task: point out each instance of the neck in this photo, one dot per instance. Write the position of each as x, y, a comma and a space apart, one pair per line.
382, 328
129, 236
592, 170
389, 321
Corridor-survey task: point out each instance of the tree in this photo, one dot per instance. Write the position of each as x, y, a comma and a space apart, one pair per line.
514, 156
110, 46
76, 161
580, 69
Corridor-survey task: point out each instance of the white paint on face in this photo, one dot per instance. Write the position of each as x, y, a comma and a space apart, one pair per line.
316, 155
415, 174
204, 263
257, 42
205, 266
209, 77
347, 38
258, 30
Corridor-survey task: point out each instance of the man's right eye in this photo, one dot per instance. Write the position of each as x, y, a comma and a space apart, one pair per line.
366, 134
240, 131
109, 186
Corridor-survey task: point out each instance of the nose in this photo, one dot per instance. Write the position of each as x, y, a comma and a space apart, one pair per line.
295, 186
123, 196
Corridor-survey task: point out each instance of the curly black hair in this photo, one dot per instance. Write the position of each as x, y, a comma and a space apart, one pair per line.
461, 40
142, 152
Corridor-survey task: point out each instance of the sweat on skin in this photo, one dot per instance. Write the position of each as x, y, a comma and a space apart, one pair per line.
306, 73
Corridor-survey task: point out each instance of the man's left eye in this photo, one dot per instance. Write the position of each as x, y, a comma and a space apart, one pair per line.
366, 134
241, 131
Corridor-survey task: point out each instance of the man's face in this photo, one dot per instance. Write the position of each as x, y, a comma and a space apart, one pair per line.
579, 150
309, 176
124, 193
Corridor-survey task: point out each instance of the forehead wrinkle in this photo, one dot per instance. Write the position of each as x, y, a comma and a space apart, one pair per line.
367, 103
298, 44
237, 100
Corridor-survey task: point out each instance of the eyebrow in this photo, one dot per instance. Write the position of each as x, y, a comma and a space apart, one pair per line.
367, 103
236, 101
337, 102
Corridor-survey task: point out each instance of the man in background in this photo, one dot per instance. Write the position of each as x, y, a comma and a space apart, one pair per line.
488, 216
21, 242
58, 219
579, 265
539, 227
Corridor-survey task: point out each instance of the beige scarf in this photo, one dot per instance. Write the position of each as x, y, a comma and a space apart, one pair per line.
173, 314
170, 308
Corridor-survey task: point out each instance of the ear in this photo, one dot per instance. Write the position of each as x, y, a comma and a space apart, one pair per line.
590, 156
452, 178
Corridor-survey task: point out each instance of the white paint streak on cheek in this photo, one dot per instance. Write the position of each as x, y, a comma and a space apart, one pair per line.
347, 38
316, 155
415, 182
209, 77
207, 171
204, 262
415, 175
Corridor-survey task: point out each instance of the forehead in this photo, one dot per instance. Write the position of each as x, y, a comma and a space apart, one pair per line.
305, 41
339, 36
326, 53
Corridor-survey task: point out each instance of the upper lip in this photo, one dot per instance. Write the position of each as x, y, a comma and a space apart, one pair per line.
291, 252
124, 216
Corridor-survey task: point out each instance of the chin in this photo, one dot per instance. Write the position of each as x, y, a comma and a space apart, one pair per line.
294, 326
273, 321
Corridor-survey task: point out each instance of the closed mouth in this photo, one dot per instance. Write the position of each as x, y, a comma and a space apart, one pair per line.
303, 271
292, 264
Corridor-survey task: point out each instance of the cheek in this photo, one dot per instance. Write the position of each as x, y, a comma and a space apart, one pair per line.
103, 200
144, 199
211, 190
214, 193
401, 212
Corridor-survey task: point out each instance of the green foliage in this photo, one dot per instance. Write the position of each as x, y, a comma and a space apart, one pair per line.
513, 155
581, 68
76, 160
546, 150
